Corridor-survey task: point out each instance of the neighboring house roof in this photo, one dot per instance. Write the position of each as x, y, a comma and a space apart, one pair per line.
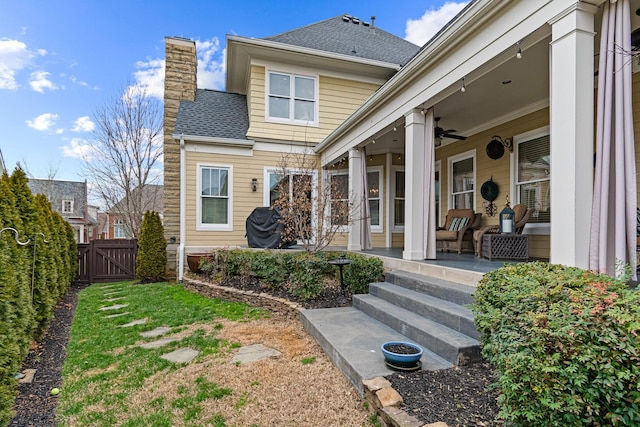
152, 200
350, 36
59, 191
214, 114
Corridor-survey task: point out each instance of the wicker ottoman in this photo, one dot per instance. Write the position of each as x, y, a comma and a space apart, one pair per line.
505, 246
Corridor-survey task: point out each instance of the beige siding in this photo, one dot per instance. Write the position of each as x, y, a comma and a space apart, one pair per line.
337, 99
397, 240
498, 169
244, 199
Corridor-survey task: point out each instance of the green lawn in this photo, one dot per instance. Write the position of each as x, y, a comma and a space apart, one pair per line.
104, 367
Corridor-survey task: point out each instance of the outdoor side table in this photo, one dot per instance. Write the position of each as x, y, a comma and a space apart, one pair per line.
505, 246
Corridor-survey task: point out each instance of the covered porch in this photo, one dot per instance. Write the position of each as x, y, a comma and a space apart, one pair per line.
517, 73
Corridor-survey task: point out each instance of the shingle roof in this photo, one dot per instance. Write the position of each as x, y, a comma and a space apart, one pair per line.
57, 191
214, 114
347, 35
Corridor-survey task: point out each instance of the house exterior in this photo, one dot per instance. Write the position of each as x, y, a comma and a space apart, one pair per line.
69, 199
517, 72
285, 94
124, 216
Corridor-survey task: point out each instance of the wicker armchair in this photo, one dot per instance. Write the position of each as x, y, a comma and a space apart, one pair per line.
522, 214
457, 232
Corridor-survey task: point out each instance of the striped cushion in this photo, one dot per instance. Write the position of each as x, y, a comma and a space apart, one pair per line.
458, 223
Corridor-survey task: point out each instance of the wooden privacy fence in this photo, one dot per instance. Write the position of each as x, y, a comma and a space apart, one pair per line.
107, 260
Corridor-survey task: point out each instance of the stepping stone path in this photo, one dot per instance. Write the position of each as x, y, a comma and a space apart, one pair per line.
181, 355
134, 323
158, 343
254, 353
114, 307
157, 332
111, 316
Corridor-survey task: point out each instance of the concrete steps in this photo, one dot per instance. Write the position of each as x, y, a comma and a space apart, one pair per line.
430, 312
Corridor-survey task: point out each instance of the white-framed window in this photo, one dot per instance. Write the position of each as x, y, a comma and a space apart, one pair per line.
278, 180
118, 229
398, 186
292, 98
214, 203
462, 179
339, 190
533, 175
375, 196
67, 205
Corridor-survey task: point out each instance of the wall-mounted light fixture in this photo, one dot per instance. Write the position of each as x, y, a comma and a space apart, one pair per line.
463, 88
495, 147
254, 184
519, 51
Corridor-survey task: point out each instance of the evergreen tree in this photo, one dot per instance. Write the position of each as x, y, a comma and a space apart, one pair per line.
152, 249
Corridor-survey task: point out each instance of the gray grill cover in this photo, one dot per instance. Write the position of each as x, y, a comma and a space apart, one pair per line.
264, 230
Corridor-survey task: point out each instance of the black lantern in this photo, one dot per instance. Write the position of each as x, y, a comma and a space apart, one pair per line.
507, 219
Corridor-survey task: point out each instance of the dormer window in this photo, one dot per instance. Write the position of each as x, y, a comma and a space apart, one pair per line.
67, 206
292, 98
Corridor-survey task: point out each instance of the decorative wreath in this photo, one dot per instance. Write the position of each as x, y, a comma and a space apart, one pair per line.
489, 190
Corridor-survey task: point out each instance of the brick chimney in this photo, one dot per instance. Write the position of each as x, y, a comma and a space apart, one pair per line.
180, 83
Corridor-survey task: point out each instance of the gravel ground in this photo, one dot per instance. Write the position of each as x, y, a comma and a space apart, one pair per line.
457, 396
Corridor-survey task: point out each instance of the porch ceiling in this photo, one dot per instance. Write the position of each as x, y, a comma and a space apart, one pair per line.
498, 92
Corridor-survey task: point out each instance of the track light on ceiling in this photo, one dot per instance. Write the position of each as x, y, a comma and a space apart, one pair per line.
519, 51
463, 89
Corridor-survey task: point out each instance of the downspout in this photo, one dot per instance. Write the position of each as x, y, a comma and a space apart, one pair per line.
183, 203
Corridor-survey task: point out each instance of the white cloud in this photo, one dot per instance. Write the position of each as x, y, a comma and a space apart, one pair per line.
14, 56
44, 122
419, 31
211, 64
78, 148
83, 124
149, 75
40, 81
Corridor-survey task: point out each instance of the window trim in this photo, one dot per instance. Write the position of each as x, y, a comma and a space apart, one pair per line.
63, 210
344, 228
457, 158
118, 224
291, 120
214, 227
314, 189
541, 228
380, 170
394, 170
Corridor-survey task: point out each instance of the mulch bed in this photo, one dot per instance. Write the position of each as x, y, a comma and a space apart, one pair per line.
35, 406
459, 396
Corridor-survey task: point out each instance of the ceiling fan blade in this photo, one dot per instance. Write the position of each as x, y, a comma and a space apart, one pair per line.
450, 135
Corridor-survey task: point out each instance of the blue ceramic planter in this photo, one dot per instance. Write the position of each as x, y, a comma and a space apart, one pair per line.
399, 358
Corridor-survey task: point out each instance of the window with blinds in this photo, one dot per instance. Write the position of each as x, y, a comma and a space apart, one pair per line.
462, 183
533, 177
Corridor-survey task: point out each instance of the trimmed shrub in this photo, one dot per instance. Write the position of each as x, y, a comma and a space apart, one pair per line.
565, 342
152, 250
362, 271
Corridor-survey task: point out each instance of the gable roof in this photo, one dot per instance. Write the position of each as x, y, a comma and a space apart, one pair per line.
152, 200
214, 114
348, 35
57, 191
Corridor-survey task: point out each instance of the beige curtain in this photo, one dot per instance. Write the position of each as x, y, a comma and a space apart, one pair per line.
613, 215
365, 223
429, 196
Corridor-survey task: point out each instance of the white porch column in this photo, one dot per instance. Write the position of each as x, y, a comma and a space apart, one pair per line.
414, 214
355, 191
572, 128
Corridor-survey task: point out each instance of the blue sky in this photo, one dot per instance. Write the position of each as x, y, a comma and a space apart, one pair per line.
62, 60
